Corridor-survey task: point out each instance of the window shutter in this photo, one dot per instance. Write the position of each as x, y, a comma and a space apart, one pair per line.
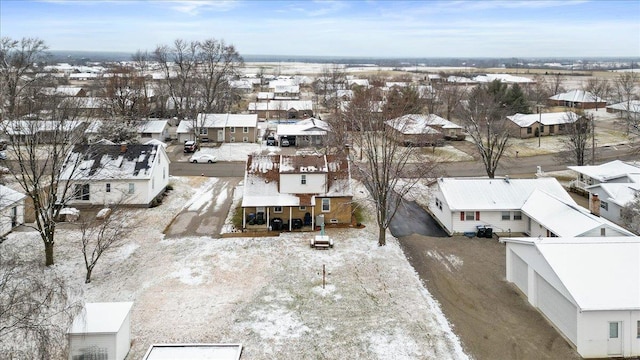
477, 215
461, 215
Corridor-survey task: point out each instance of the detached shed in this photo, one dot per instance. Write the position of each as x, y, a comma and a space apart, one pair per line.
101, 331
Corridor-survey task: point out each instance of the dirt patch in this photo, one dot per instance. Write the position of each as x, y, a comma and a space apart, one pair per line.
493, 320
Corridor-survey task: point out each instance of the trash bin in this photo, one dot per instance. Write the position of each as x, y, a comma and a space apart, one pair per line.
488, 233
276, 224
481, 231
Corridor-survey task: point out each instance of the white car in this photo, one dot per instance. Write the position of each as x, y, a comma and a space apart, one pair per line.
202, 158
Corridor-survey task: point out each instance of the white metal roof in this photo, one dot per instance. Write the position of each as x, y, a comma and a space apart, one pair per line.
566, 218
466, 194
607, 171
633, 105
218, 121
420, 124
193, 352
577, 96
555, 118
618, 193
100, 318
599, 273
282, 105
153, 126
9, 196
309, 126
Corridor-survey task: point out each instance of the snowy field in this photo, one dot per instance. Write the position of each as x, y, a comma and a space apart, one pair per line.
265, 293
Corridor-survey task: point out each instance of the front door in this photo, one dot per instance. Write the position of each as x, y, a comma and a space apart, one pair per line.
614, 342
221, 135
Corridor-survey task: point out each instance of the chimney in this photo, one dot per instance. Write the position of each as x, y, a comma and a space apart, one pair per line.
123, 148
595, 205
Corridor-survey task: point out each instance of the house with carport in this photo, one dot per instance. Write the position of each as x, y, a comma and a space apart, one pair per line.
308, 132
282, 109
588, 288
103, 174
282, 191
11, 209
219, 128
616, 171
579, 99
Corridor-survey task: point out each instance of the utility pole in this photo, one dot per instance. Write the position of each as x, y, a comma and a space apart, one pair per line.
593, 140
539, 109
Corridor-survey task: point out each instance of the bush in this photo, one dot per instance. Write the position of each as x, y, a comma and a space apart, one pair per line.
236, 220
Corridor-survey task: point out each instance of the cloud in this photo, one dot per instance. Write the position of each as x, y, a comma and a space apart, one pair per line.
195, 7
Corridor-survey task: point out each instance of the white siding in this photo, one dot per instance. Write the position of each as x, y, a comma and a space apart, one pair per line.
123, 338
558, 309
444, 216
93, 343
5, 217
315, 183
520, 273
593, 333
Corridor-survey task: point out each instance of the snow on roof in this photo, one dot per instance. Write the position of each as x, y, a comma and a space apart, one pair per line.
193, 352
594, 268
303, 164
281, 105
504, 78
618, 193
607, 171
9, 196
103, 161
29, 127
420, 124
100, 318
265, 95
156, 142
286, 89
633, 106
218, 121
359, 82
554, 118
577, 96
460, 79
153, 126
565, 218
495, 194
310, 126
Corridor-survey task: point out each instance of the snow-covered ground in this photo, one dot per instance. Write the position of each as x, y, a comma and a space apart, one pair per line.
266, 293
238, 151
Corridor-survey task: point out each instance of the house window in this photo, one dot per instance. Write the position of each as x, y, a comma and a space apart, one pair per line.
302, 208
438, 204
604, 205
108, 187
468, 216
561, 127
245, 139
603, 232
517, 215
529, 130
552, 129
232, 129
303, 179
132, 188
164, 173
82, 192
277, 209
245, 130
204, 131
613, 330
506, 215
638, 330
326, 204
232, 139
541, 129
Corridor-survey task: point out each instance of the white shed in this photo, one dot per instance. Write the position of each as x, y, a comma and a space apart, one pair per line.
101, 331
587, 288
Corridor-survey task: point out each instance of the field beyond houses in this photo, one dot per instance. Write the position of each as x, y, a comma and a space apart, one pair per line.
265, 293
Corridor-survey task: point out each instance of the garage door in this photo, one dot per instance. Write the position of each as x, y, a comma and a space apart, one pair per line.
557, 308
519, 272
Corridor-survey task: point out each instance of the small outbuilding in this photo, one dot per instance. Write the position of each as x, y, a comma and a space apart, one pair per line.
101, 331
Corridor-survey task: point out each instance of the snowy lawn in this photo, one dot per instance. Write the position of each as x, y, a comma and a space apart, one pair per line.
265, 293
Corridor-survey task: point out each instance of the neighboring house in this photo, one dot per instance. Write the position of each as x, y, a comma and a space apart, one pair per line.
242, 86
220, 128
308, 132
615, 171
47, 131
530, 125
461, 205
286, 92
578, 99
101, 331
282, 109
265, 96
627, 109
504, 78
418, 129
154, 129
66, 91
296, 187
587, 288
103, 174
351, 83
614, 196
11, 209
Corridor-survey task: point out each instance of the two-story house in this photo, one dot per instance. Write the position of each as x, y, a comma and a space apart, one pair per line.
295, 190
221, 128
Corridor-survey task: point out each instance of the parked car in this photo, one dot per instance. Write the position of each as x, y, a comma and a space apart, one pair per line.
3, 155
202, 158
190, 146
271, 141
284, 142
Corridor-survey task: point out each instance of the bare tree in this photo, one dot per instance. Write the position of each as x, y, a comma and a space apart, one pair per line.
35, 310
218, 63
17, 59
179, 64
577, 139
99, 235
484, 120
625, 86
40, 150
630, 214
382, 159
599, 88
450, 96
555, 84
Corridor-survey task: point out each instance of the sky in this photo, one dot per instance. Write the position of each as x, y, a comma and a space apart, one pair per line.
353, 28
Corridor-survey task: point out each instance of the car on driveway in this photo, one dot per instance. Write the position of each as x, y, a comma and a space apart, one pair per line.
202, 158
190, 146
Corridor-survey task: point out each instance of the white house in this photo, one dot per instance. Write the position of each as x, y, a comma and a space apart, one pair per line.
193, 352
629, 109
154, 129
615, 196
101, 331
615, 171
103, 174
11, 209
587, 288
308, 132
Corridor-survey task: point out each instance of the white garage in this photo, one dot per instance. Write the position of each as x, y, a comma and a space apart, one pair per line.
587, 288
